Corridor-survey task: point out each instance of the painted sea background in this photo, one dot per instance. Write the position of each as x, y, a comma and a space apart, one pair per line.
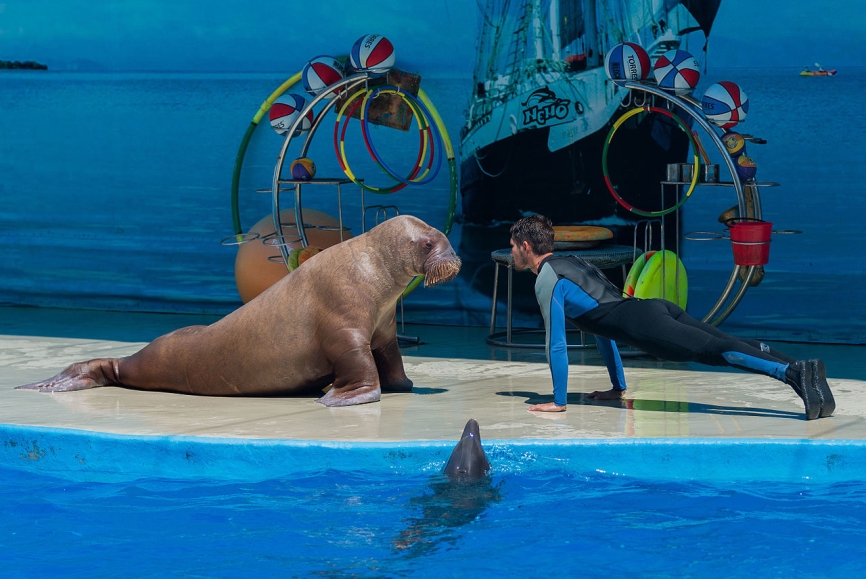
115, 194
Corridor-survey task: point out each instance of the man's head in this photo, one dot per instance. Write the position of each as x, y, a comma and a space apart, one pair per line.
530, 234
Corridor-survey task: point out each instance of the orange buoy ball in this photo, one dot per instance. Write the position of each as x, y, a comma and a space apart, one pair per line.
254, 272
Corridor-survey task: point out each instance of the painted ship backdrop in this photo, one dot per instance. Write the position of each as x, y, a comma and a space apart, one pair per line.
136, 204
542, 106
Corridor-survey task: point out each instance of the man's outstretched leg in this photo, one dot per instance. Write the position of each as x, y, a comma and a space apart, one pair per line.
664, 330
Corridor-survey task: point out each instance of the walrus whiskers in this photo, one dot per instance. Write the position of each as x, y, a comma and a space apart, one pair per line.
442, 271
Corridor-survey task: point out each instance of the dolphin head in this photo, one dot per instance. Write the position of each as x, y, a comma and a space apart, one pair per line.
468, 461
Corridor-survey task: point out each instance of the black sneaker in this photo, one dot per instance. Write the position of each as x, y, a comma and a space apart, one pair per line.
819, 382
799, 377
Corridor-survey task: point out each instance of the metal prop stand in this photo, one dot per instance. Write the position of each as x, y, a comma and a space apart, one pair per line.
720, 311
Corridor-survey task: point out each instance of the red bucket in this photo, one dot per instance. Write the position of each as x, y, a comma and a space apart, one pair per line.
750, 240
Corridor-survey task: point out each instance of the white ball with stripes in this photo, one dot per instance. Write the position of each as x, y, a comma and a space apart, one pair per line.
372, 53
285, 111
725, 104
677, 71
321, 72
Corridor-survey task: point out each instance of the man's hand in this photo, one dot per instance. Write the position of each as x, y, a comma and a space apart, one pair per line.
612, 394
547, 407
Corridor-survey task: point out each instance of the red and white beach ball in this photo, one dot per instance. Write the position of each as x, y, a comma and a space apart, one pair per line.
677, 71
725, 104
320, 73
285, 111
626, 61
372, 53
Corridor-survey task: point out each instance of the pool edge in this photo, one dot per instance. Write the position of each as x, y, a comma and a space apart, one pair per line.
79, 454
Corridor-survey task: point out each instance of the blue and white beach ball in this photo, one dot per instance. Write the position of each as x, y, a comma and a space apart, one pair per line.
725, 104
626, 61
321, 72
677, 71
285, 111
372, 53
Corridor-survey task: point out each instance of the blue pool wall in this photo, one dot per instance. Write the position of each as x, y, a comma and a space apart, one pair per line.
91, 456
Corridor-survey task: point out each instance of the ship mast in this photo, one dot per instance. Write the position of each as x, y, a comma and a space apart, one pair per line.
555, 39
518, 40
591, 34
537, 28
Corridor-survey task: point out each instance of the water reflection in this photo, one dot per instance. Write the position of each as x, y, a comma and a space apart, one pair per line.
438, 514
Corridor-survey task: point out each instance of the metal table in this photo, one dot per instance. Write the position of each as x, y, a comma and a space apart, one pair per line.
603, 257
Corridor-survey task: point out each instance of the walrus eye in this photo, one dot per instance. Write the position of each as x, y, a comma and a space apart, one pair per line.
428, 245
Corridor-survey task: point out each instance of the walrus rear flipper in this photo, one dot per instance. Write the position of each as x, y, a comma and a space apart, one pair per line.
80, 376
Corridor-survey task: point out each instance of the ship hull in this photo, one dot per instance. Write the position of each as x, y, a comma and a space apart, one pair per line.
519, 175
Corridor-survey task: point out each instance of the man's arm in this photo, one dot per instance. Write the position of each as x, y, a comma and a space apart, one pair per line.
557, 353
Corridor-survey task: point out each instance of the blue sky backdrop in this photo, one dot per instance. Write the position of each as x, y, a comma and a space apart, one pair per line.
430, 35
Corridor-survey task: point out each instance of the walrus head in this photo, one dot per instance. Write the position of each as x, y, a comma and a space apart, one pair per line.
439, 262
412, 248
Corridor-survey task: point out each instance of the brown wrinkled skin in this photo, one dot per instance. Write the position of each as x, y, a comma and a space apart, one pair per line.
330, 321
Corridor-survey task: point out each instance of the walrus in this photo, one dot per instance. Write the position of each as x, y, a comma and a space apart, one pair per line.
331, 321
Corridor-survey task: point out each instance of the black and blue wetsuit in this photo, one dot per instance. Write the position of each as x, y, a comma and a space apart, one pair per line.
569, 288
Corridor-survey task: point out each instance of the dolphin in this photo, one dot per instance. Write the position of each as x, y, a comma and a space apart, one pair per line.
468, 461
459, 496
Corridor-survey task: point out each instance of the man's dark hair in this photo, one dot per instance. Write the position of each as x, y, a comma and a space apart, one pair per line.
537, 230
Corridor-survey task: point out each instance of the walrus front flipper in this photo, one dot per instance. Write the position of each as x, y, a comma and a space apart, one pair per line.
80, 376
356, 379
356, 396
389, 365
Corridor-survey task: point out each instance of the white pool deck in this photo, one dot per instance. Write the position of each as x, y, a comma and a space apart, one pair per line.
457, 376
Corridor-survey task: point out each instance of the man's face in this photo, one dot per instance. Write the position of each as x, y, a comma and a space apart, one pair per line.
520, 256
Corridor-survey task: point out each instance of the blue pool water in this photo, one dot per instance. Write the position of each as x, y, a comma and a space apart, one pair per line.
90, 505
334, 523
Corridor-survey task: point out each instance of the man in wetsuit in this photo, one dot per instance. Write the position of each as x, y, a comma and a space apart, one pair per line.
569, 288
